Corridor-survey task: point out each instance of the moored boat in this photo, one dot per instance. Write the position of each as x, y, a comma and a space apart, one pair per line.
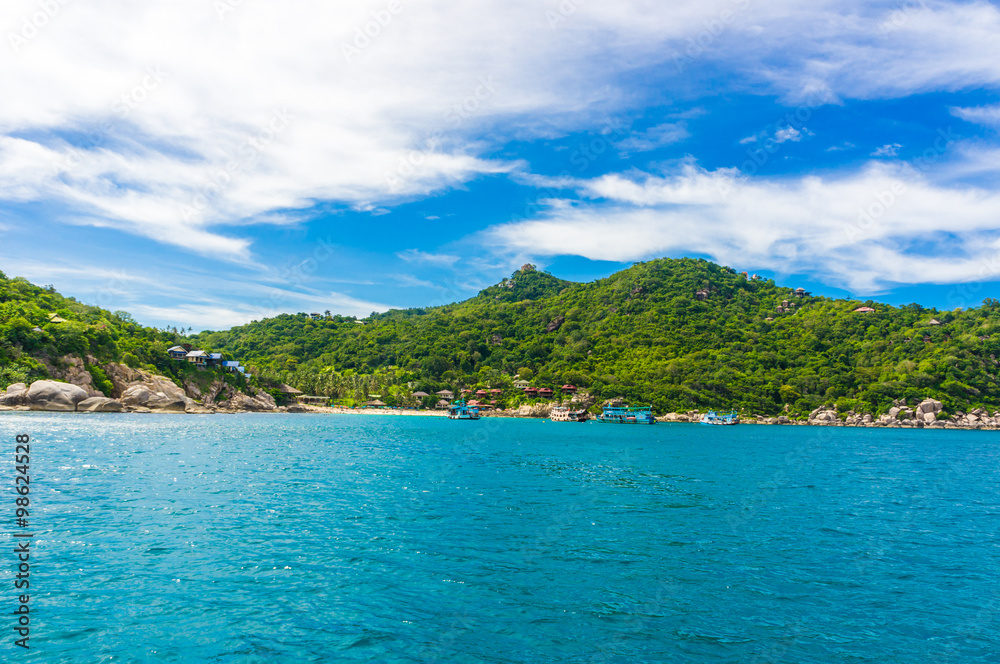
627, 415
724, 419
459, 410
564, 414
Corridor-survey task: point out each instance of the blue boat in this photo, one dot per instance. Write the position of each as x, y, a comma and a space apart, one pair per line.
627, 415
725, 419
459, 410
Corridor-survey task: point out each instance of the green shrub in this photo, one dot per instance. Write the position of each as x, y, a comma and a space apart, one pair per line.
101, 380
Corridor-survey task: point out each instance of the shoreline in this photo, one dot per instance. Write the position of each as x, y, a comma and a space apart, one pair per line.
939, 425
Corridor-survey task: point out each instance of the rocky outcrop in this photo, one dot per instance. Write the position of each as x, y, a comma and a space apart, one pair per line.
73, 370
157, 397
54, 396
16, 395
134, 390
141, 390
123, 377
99, 405
214, 390
534, 410
260, 402
928, 410
823, 416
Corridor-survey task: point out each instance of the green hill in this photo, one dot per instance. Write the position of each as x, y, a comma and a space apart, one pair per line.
680, 334
40, 330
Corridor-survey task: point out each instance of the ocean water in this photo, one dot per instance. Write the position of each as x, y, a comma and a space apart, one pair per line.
320, 538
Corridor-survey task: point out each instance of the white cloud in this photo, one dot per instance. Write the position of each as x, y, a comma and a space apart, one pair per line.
887, 150
984, 115
787, 134
863, 231
782, 133
874, 50
267, 108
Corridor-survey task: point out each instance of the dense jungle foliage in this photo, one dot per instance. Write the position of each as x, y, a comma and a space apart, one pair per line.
679, 334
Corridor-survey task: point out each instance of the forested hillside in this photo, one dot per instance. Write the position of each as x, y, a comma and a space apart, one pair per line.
40, 329
680, 334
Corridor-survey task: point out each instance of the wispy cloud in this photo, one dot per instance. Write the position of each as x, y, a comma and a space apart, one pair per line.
418, 256
984, 115
780, 134
654, 138
887, 150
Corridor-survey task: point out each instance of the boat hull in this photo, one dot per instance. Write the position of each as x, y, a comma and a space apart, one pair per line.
462, 411
724, 419
627, 415
566, 415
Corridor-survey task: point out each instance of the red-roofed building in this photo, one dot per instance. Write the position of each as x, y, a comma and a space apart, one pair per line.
864, 310
568, 389
482, 393
545, 393
531, 391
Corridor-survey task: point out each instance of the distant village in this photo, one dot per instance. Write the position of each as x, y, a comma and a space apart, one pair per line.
485, 399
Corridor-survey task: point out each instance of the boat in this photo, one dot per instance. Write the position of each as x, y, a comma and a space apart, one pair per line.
627, 415
564, 414
459, 410
725, 419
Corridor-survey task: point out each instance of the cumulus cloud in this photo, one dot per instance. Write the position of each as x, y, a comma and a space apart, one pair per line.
862, 231
787, 134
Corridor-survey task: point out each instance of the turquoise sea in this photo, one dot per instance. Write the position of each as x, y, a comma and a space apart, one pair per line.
322, 538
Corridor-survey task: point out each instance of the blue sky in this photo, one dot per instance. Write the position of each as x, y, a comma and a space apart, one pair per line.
207, 163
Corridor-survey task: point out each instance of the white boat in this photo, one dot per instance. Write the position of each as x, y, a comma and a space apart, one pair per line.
564, 414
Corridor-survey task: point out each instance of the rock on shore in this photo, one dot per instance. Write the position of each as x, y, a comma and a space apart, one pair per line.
927, 414
54, 396
140, 392
15, 395
99, 405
